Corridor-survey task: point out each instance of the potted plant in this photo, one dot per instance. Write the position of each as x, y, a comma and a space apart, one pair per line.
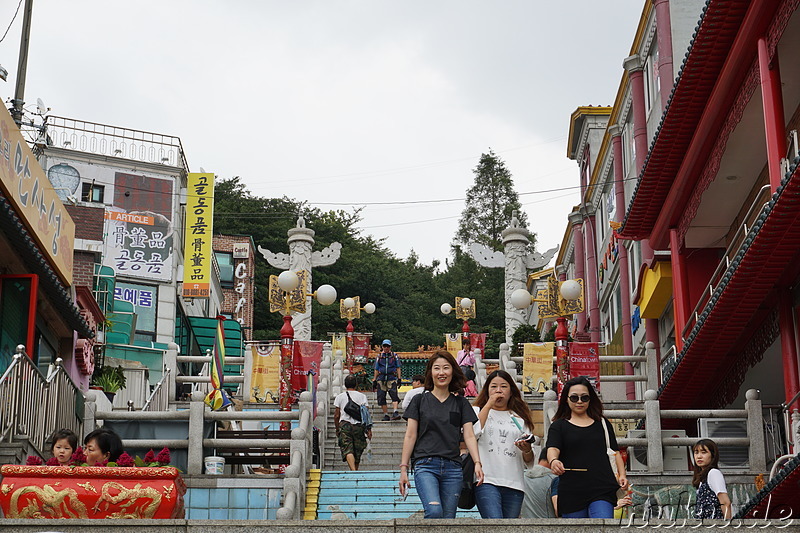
111, 379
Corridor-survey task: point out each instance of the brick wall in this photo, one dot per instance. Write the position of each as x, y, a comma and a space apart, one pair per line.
244, 285
83, 268
88, 221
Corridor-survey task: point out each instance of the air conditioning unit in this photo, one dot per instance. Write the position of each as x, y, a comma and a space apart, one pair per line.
676, 458
730, 457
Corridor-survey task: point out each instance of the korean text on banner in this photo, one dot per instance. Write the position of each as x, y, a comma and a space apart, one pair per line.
584, 361
197, 254
25, 185
307, 358
537, 366
265, 372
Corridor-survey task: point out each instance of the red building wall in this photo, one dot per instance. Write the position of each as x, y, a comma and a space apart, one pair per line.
239, 299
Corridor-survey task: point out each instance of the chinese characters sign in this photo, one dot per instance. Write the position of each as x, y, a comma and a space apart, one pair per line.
25, 185
197, 254
139, 244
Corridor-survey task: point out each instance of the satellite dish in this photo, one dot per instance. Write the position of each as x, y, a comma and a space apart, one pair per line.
41, 107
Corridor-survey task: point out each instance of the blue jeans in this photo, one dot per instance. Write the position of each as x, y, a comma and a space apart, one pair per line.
498, 502
596, 509
438, 482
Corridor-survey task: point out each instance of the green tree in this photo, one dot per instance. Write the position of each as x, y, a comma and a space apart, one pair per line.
489, 205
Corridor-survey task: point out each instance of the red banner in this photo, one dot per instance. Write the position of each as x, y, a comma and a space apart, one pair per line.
562, 367
307, 357
584, 361
477, 341
361, 346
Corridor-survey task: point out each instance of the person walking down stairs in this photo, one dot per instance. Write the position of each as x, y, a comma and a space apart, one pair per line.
350, 430
387, 377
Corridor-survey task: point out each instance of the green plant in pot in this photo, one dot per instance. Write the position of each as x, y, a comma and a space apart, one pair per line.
112, 379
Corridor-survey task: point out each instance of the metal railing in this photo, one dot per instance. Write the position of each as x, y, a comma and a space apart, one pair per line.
35, 405
114, 141
761, 200
159, 398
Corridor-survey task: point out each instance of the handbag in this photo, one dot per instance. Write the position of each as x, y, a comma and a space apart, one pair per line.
352, 409
612, 458
466, 500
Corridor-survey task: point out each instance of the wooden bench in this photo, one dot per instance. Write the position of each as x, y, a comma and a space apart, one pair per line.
255, 456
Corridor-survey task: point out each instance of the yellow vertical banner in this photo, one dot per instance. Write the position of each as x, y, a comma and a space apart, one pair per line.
537, 366
453, 343
339, 342
197, 251
265, 373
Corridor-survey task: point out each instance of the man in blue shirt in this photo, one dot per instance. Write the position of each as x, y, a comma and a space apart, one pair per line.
387, 376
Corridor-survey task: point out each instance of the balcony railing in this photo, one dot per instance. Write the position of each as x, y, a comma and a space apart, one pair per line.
761, 201
113, 141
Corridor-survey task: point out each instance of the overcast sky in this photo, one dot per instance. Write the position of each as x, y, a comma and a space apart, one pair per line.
343, 103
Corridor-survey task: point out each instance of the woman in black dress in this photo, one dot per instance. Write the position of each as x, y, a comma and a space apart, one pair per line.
576, 451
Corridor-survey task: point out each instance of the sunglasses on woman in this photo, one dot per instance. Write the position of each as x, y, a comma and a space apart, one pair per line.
575, 398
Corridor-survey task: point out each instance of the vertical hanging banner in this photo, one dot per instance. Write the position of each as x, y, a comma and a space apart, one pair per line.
338, 342
584, 361
217, 399
562, 367
537, 366
453, 343
477, 341
361, 346
265, 372
197, 254
307, 357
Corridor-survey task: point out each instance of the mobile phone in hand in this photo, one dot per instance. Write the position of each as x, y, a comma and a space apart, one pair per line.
526, 438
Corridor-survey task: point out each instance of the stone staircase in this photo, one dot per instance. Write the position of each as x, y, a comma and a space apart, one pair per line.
386, 445
368, 495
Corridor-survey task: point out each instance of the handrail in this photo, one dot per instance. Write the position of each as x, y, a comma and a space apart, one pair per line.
158, 400
35, 405
730, 252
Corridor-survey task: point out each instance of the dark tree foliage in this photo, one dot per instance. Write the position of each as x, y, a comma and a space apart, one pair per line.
523, 334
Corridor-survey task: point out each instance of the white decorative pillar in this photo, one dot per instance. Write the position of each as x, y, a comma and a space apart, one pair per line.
517, 260
301, 257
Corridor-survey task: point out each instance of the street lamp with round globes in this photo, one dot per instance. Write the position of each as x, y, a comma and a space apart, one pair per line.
465, 309
350, 309
288, 293
571, 290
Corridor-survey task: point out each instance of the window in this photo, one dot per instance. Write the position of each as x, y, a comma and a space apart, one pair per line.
91, 192
225, 262
145, 305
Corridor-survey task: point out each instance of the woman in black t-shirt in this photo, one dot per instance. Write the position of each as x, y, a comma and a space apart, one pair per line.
576, 450
436, 419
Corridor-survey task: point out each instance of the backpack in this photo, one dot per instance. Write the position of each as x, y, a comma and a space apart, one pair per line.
352, 409
366, 418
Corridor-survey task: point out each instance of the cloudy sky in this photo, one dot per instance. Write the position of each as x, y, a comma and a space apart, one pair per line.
343, 103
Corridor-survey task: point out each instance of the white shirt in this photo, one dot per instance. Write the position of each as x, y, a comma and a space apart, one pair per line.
410, 394
341, 400
502, 461
716, 481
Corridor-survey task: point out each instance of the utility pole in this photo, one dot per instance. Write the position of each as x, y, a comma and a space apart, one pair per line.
22, 67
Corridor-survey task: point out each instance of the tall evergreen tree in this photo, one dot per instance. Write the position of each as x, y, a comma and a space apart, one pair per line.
490, 203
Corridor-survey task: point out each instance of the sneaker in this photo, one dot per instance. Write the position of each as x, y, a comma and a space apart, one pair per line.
386, 418
396, 416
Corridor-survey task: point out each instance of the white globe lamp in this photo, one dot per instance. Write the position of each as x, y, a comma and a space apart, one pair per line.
326, 294
369, 308
446, 309
570, 290
465, 303
288, 280
520, 298
349, 303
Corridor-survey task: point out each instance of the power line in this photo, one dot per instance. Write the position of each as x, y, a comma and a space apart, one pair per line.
12, 21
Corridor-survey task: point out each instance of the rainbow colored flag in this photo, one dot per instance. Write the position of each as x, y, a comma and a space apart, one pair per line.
217, 399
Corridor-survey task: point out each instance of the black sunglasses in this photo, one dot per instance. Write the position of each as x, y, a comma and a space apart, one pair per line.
584, 398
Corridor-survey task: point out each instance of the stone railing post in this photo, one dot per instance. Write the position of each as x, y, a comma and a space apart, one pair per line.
247, 373
337, 381
479, 368
653, 366
549, 407
755, 431
89, 419
171, 361
652, 421
195, 457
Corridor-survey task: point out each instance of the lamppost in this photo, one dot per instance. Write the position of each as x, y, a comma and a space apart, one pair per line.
465, 309
288, 292
350, 309
559, 299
